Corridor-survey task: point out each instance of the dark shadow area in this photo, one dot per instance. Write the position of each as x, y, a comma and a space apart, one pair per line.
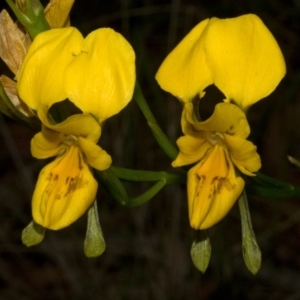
148, 248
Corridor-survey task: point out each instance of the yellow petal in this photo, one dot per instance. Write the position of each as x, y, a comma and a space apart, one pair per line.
47, 143
192, 149
96, 157
12, 47
213, 188
226, 118
184, 73
245, 60
64, 191
101, 79
57, 13
243, 154
83, 125
187, 118
40, 80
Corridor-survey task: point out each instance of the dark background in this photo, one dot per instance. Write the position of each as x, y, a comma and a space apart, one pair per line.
147, 254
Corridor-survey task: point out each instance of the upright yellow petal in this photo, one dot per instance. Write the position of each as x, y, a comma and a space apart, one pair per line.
101, 79
64, 191
40, 80
184, 73
245, 60
57, 13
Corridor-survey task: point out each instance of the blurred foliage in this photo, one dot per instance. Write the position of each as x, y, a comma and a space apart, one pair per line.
147, 252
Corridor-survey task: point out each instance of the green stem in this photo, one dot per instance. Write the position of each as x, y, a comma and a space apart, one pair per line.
113, 185
139, 175
165, 144
146, 196
33, 19
110, 179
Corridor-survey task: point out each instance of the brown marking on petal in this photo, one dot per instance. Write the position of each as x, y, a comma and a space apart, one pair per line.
80, 161
216, 184
220, 183
74, 184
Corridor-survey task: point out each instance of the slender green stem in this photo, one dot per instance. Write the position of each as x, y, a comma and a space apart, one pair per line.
113, 185
146, 196
139, 175
165, 144
110, 180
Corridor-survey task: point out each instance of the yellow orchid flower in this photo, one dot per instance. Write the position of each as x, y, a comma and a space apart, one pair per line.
97, 74
243, 60
218, 146
239, 55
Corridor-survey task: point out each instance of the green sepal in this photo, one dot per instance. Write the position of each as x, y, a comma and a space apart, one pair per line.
201, 250
33, 234
94, 244
33, 18
251, 251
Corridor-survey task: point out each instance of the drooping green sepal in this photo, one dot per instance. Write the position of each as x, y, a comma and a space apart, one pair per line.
251, 251
94, 244
33, 234
33, 18
201, 250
